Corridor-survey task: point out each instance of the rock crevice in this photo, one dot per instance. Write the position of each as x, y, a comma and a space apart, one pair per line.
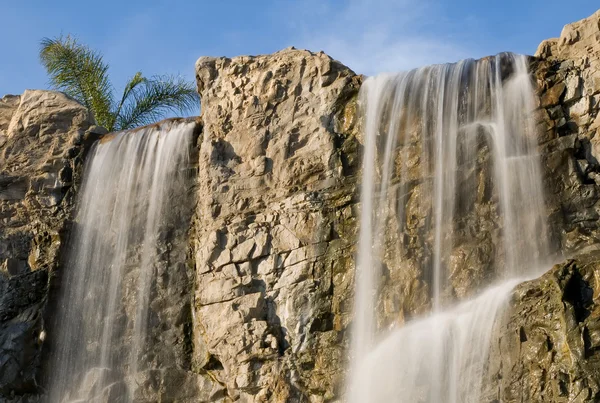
272, 245
275, 223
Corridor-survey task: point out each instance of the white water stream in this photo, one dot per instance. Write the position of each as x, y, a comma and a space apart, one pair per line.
128, 200
446, 115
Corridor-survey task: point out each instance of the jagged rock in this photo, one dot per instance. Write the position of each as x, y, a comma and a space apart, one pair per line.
274, 225
274, 231
242, 107
8, 106
578, 41
234, 106
571, 135
41, 150
546, 349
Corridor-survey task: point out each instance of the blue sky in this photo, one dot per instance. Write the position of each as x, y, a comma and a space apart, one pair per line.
370, 36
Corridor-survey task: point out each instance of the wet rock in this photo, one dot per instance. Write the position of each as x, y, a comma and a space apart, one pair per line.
39, 164
274, 246
271, 251
546, 344
546, 349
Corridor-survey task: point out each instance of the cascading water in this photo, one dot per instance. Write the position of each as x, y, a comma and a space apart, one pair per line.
458, 142
133, 197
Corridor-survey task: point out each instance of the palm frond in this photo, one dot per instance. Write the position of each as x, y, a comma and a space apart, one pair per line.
81, 73
133, 82
150, 99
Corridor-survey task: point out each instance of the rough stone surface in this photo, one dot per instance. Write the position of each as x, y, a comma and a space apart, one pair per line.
567, 71
273, 235
249, 268
42, 141
275, 224
547, 344
547, 348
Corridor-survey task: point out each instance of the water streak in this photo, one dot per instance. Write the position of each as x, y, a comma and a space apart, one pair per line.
440, 358
130, 199
458, 144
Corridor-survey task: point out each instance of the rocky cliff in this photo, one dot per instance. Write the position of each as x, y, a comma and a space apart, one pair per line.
283, 141
275, 224
43, 139
272, 244
547, 347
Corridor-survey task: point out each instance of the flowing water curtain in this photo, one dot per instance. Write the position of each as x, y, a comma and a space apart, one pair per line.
451, 199
131, 196
440, 358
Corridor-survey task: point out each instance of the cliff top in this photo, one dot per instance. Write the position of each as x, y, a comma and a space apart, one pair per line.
579, 39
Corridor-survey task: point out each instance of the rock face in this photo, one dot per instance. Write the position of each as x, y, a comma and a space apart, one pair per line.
275, 224
568, 75
547, 345
263, 248
42, 142
137, 193
272, 246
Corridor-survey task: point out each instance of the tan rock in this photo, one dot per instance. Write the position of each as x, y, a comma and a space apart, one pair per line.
579, 39
271, 172
550, 338
553, 95
8, 106
41, 150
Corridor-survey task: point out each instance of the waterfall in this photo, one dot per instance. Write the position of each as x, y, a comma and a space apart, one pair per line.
450, 173
131, 211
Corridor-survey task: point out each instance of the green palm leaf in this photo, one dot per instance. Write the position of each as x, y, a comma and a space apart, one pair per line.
80, 73
133, 82
150, 99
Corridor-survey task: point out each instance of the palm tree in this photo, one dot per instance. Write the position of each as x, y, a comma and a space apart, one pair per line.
81, 73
